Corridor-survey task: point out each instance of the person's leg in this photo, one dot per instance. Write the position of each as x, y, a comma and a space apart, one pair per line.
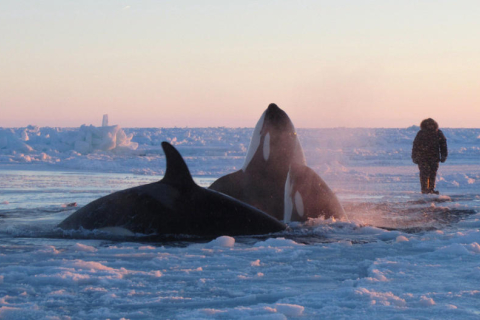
432, 176
424, 175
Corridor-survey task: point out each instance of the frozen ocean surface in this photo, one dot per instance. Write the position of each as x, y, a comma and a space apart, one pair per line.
402, 255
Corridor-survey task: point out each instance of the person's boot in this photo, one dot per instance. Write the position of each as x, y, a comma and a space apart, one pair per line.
431, 185
425, 185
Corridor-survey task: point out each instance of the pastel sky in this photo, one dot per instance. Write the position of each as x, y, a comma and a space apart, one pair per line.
159, 63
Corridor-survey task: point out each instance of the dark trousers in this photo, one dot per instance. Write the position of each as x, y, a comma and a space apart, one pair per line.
428, 173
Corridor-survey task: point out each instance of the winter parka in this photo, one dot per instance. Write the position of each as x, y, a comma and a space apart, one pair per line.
430, 144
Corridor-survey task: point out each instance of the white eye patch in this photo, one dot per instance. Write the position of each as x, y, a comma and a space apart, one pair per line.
299, 204
266, 147
287, 201
255, 142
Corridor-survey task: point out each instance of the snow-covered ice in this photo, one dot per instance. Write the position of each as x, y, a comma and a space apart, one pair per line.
401, 256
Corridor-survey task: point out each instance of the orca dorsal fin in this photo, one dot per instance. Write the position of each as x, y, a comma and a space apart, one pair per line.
177, 173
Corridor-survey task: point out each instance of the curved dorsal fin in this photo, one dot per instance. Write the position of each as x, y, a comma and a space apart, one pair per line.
177, 173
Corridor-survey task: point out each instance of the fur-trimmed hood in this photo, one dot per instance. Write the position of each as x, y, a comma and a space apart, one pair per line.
429, 124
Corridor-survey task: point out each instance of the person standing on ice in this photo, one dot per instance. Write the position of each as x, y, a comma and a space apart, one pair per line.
429, 148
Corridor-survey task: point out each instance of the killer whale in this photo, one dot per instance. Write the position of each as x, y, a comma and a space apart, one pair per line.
175, 205
275, 154
308, 196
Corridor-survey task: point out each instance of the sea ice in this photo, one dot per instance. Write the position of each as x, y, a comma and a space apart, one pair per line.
322, 269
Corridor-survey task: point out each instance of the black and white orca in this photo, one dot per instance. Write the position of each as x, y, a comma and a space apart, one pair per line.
175, 205
308, 196
274, 154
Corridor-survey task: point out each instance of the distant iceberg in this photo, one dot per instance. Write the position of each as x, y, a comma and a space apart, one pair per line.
91, 138
83, 140
10, 141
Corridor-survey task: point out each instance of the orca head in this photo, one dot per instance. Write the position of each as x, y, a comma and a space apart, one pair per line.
277, 119
177, 173
274, 140
306, 196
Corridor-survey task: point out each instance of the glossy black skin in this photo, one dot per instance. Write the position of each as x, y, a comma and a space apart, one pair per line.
262, 183
174, 205
318, 198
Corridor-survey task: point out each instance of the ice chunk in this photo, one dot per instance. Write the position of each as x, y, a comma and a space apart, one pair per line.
277, 243
83, 248
292, 310
426, 302
107, 138
9, 141
402, 239
82, 147
224, 241
25, 135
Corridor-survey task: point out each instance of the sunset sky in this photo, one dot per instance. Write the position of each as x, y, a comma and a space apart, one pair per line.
338, 63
